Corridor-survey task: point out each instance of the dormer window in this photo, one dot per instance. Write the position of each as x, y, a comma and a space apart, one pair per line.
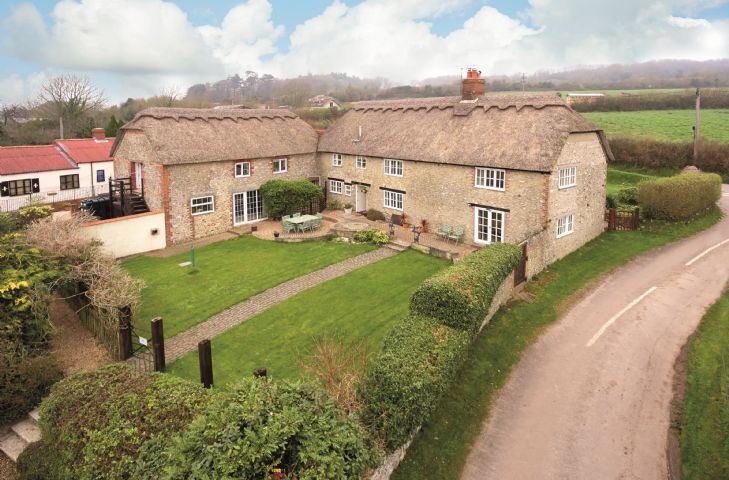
491, 178
336, 159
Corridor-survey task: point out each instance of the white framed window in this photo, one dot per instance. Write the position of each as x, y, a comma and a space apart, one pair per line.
393, 200
488, 225
393, 167
361, 162
336, 159
491, 178
243, 169
567, 177
348, 189
565, 225
201, 205
280, 165
335, 186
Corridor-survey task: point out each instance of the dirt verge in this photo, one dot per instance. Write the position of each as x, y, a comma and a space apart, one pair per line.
673, 444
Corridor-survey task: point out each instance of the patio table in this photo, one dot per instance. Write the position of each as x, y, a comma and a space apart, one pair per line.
301, 219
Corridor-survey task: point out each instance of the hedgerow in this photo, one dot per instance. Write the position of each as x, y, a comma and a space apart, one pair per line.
405, 381
680, 197
644, 152
460, 296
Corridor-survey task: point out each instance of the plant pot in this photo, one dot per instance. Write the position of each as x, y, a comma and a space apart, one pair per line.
348, 211
276, 234
405, 225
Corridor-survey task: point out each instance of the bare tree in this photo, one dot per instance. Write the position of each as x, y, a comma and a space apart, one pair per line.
9, 111
169, 96
70, 97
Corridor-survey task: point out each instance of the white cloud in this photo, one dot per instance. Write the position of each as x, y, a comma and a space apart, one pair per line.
685, 22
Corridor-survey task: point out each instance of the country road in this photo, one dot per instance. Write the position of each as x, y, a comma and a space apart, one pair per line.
590, 398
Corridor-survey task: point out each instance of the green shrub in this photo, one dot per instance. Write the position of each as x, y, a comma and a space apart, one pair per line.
460, 295
259, 426
405, 381
680, 197
97, 421
31, 213
645, 152
372, 235
610, 201
628, 196
284, 197
37, 462
375, 215
24, 379
334, 205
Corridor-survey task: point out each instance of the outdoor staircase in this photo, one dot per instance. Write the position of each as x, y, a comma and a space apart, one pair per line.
14, 440
137, 204
398, 245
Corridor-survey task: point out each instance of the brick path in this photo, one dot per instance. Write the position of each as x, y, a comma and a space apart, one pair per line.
187, 341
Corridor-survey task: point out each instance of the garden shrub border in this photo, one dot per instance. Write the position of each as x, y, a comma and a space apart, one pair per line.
680, 197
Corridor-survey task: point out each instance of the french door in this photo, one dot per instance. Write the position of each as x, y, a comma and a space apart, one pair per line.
488, 226
247, 207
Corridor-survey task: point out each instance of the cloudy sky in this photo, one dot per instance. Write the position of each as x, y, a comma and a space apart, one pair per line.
137, 47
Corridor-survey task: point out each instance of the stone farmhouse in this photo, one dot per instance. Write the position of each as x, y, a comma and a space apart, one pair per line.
520, 169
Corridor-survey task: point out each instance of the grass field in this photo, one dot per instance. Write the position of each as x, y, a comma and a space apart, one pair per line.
622, 175
663, 124
705, 425
227, 272
440, 449
362, 305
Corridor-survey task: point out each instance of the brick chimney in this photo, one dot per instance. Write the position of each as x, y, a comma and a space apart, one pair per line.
98, 134
473, 85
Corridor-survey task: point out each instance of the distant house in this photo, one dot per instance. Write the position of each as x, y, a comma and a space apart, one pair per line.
323, 101
66, 170
204, 167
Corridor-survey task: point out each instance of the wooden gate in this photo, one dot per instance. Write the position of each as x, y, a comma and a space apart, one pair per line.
520, 272
622, 221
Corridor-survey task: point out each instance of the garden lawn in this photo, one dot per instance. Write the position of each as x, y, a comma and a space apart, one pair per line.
226, 273
663, 124
440, 449
361, 305
620, 175
705, 421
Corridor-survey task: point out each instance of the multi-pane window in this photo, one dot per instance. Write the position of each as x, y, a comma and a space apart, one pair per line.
69, 182
280, 165
489, 226
393, 167
567, 177
565, 225
393, 200
348, 189
243, 169
491, 178
361, 162
24, 186
247, 207
335, 186
100, 176
337, 159
200, 205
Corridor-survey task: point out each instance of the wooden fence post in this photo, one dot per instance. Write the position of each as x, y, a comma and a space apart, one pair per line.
612, 219
206, 363
125, 333
158, 344
636, 218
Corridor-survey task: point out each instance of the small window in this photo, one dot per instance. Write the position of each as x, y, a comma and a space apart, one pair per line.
100, 176
491, 178
348, 189
361, 162
336, 159
393, 167
335, 186
200, 205
567, 177
69, 182
565, 225
393, 200
280, 165
243, 169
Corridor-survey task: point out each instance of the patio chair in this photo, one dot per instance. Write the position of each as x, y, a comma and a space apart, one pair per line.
296, 215
444, 230
305, 226
457, 234
288, 227
319, 216
316, 224
285, 217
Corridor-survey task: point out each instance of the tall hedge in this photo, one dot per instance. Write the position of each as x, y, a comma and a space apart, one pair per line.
284, 197
96, 422
645, 152
460, 296
680, 197
405, 381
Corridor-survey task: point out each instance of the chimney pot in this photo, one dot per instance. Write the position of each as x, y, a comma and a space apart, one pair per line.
473, 85
98, 133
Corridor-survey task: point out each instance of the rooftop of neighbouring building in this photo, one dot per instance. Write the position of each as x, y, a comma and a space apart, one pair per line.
33, 159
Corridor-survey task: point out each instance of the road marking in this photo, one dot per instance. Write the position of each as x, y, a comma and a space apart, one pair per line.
697, 257
618, 315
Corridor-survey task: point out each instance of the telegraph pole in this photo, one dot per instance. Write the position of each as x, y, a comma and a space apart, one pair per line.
523, 83
697, 125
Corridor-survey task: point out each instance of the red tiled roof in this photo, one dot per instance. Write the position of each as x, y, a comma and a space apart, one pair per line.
87, 150
30, 159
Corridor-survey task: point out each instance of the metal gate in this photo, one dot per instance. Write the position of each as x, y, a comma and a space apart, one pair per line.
142, 354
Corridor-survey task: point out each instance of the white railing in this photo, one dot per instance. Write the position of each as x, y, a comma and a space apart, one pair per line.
55, 196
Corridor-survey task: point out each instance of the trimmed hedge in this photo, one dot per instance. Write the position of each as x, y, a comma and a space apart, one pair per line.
372, 235
405, 381
680, 197
460, 296
284, 197
713, 156
97, 421
260, 426
38, 462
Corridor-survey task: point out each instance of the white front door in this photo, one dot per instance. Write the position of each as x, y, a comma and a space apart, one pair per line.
137, 175
360, 198
247, 207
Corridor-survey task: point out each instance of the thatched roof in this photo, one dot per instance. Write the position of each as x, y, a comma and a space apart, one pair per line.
180, 135
505, 131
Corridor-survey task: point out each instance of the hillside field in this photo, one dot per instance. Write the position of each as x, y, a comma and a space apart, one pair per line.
663, 124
